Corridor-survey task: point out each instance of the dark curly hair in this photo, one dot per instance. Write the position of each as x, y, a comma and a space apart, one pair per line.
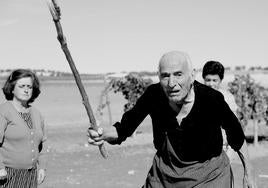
213, 68
12, 80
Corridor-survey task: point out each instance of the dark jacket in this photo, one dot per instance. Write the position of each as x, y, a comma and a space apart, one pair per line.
199, 136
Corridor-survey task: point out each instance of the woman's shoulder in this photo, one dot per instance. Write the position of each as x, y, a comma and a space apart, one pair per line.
35, 110
6, 109
36, 113
225, 92
5, 106
230, 99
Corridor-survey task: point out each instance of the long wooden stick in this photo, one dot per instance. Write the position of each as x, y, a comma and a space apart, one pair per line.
55, 12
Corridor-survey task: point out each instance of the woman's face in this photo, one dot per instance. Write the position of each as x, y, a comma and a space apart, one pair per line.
212, 80
23, 89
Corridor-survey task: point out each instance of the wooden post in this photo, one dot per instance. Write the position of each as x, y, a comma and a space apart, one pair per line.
256, 130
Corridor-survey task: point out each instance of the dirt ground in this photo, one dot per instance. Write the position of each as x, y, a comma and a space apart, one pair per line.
72, 163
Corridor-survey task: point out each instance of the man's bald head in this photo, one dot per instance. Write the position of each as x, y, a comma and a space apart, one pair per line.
176, 57
176, 75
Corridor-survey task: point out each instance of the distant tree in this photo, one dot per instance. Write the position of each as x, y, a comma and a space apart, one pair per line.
252, 101
132, 87
239, 68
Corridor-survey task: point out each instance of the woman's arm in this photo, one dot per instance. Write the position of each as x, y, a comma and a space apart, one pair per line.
248, 179
3, 126
42, 160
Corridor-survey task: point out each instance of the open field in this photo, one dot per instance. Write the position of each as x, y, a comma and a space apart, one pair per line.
73, 163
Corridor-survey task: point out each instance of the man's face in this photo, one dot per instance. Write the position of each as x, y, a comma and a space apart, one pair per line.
213, 81
176, 79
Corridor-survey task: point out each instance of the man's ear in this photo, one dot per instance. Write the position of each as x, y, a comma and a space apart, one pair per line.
193, 75
158, 74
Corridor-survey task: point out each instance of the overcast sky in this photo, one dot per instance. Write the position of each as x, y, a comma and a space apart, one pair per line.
131, 35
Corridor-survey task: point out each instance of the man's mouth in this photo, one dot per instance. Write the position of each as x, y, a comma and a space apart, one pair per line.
172, 93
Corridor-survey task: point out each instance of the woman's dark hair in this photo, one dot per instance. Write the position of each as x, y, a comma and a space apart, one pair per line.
213, 68
14, 77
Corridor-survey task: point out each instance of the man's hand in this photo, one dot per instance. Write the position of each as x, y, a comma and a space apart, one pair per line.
98, 137
3, 174
95, 137
41, 176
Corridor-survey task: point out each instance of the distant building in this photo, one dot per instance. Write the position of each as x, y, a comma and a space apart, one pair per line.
5, 73
44, 73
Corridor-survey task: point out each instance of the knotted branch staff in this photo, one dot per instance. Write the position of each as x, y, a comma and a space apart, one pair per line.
55, 12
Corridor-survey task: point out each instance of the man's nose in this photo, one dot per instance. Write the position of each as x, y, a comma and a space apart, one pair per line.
171, 81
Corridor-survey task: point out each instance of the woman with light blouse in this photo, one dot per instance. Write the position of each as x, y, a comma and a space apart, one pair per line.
22, 133
213, 74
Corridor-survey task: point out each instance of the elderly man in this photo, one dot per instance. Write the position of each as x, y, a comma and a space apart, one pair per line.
187, 117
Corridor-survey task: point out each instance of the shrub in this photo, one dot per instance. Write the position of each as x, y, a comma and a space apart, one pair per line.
251, 98
132, 87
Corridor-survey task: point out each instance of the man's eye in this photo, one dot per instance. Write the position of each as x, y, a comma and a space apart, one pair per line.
178, 74
164, 75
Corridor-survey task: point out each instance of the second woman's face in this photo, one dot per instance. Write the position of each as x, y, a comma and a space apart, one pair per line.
213, 80
23, 89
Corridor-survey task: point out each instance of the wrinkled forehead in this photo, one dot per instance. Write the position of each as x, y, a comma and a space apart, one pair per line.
175, 61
